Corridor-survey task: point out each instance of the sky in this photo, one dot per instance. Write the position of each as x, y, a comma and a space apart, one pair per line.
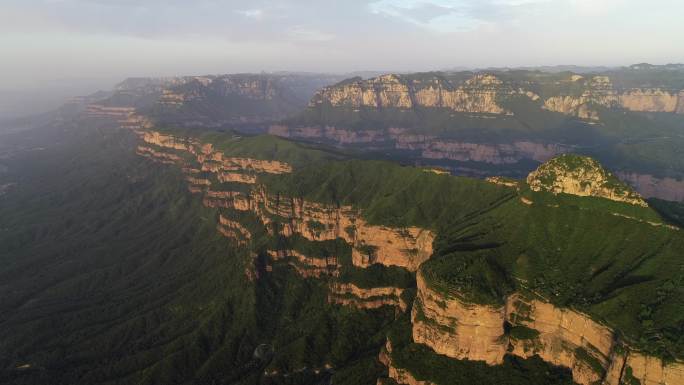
89, 44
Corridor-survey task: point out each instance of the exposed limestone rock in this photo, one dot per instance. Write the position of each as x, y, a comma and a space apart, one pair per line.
563, 337
600, 92
236, 177
398, 375
582, 176
477, 95
168, 141
456, 328
365, 298
501, 181
226, 199
307, 266
233, 229
652, 371
212, 160
404, 247
157, 156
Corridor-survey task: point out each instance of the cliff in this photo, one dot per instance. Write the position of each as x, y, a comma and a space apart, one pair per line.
476, 95
526, 326
582, 176
366, 298
600, 91
232, 185
487, 93
335, 242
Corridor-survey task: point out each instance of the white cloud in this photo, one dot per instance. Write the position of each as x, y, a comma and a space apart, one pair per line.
455, 15
257, 14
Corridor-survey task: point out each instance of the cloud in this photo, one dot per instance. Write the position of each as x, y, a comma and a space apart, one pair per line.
455, 15
121, 38
257, 14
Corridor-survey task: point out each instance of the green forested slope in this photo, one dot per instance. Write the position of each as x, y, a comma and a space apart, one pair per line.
112, 273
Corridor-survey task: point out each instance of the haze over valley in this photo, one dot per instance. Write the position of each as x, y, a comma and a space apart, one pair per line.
383, 192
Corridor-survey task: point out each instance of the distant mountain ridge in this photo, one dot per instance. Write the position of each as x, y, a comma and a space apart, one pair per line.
478, 123
630, 118
217, 100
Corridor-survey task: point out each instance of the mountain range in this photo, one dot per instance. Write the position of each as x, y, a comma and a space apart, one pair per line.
156, 234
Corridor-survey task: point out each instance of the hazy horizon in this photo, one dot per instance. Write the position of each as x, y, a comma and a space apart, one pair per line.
56, 48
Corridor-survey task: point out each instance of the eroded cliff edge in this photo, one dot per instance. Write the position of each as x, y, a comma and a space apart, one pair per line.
525, 325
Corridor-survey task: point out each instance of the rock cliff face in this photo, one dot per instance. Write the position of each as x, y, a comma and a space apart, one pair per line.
476, 95
525, 327
394, 373
430, 146
307, 266
483, 93
404, 247
366, 298
583, 176
599, 91
456, 328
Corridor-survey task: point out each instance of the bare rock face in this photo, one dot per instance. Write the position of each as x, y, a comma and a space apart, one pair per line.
525, 326
562, 337
582, 176
365, 298
305, 265
395, 374
405, 247
476, 95
599, 91
456, 328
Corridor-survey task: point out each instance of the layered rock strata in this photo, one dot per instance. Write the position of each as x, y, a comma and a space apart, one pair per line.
405, 247
582, 176
366, 298
476, 95
525, 327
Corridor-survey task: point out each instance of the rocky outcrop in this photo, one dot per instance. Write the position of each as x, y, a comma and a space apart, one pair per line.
365, 298
227, 199
582, 176
236, 177
599, 91
396, 374
307, 266
501, 181
560, 336
478, 94
527, 325
234, 230
158, 156
456, 328
405, 247
213, 160
482, 94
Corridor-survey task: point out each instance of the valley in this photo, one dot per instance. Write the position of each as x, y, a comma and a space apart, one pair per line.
176, 245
